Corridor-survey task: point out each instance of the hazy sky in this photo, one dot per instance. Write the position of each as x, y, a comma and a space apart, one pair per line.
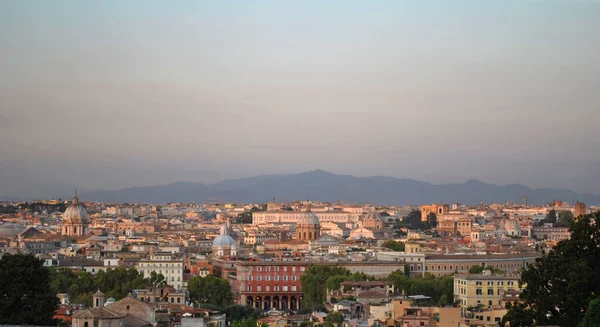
108, 94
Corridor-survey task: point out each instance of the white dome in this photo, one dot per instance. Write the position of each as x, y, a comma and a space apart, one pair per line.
308, 218
373, 216
512, 227
223, 240
75, 213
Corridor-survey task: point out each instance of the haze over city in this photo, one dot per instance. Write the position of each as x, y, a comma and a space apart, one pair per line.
111, 95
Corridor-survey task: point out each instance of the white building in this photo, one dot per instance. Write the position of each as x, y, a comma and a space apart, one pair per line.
163, 263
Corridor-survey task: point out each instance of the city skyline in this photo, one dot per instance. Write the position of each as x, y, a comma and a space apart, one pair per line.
113, 95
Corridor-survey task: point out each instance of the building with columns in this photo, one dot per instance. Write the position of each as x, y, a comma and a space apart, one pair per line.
277, 284
75, 219
308, 227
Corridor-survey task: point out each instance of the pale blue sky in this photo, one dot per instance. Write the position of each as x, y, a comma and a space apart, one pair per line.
108, 94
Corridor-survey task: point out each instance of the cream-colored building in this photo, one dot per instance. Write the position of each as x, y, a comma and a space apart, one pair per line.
437, 209
483, 290
163, 263
291, 217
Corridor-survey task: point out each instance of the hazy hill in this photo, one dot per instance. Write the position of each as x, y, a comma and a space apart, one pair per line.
325, 186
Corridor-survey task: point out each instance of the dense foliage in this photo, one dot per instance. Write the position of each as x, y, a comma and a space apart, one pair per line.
431, 220
592, 315
210, 289
246, 216
248, 322
26, 297
114, 282
318, 279
440, 289
562, 284
334, 318
413, 220
393, 245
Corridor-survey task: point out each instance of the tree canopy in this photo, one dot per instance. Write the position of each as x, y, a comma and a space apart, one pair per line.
440, 289
210, 289
26, 296
432, 220
334, 318
413, 219
318, 279
561, 284
248, 322
114, 282
592, 315
393, 245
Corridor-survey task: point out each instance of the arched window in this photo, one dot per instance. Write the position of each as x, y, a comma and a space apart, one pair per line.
85, 324
74, 230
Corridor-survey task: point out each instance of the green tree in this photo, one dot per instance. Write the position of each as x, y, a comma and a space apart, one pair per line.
564, 218
432, 220
114, 282
239, 312
314, 282
157, 280
476, 270
210, 289
333, 282
26, 296
335, 318
413, 219
551, 217
561, 284
393, 245
592, 315
248, 322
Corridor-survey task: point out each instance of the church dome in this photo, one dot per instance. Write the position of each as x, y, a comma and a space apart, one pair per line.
373, 216
75, 213
512, 227
308, 218
223, 240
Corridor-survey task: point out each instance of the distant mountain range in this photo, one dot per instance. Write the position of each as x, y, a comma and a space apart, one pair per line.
325, 186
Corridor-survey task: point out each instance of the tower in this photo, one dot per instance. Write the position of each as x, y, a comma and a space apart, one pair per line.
98, 299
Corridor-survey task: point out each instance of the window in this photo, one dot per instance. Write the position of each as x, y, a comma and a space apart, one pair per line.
302, 268
285, 268
259, 269
267, 288
285, 278
479, 291
249, 277
285, 288
259, 278
276, 278
293, 277
267, 278
249, 288
293, 288
490, 292
293, 268
499, 292
268, 268
258, 288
